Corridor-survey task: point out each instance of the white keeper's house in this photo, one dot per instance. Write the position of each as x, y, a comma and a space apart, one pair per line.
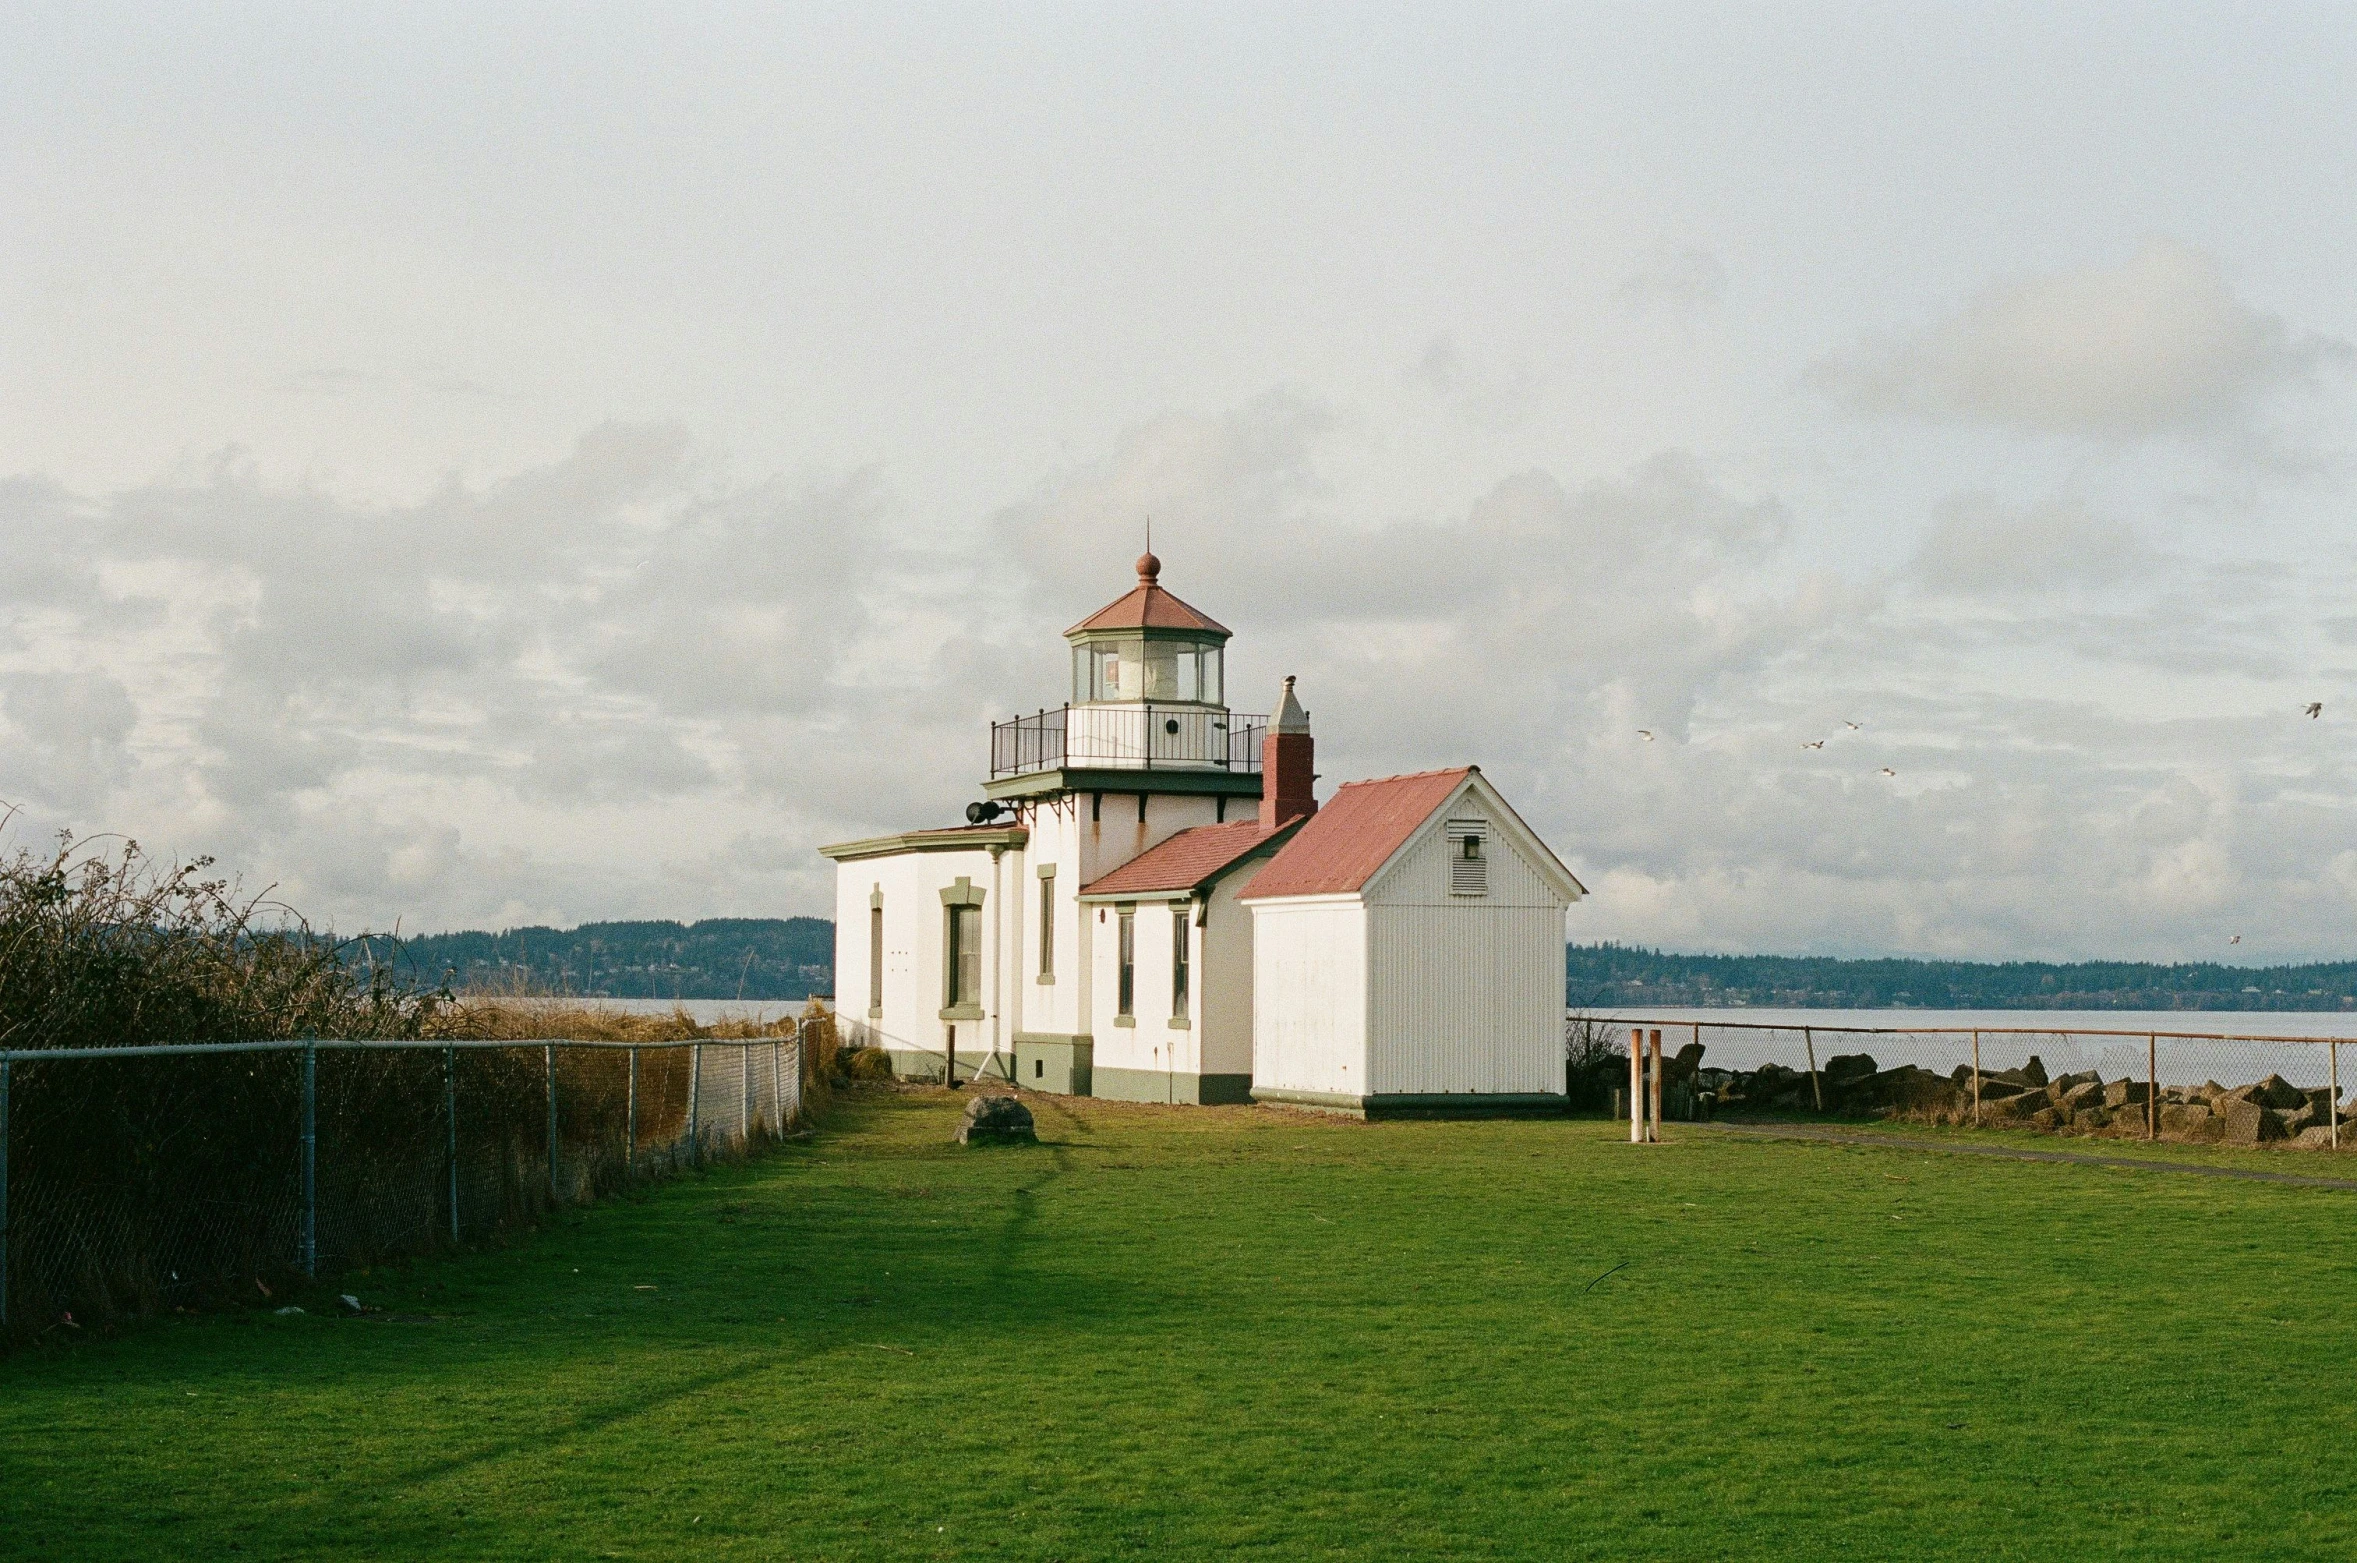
1149, 903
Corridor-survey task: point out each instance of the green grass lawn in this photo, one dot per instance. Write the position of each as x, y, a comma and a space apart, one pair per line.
1183, 1332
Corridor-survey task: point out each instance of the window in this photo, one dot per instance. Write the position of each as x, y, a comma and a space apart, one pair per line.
876, 955
964, 957
1127, 990
1047, 924
1468, 864
1178, 960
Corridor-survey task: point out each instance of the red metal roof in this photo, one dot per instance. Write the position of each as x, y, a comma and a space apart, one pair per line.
1354, 833
1186, 860
1148, 606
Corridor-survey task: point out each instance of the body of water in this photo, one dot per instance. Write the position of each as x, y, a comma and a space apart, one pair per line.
2065, 1041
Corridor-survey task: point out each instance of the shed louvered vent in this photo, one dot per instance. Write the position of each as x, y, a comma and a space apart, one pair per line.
1468, 857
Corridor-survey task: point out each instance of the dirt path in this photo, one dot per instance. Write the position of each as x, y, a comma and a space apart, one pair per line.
1778, 1131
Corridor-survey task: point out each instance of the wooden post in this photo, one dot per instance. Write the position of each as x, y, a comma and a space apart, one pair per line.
2152, 1088
1809, 1040
1636, 1085
1976, 1079
1655, 1135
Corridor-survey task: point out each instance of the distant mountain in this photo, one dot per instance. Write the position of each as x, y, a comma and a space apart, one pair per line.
719, 958
1613, 975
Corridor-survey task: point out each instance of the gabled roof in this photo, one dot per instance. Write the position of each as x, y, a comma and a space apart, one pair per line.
1189, 860
1354, 833
1148, 606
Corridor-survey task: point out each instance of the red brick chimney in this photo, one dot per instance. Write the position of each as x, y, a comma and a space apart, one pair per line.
1288, 768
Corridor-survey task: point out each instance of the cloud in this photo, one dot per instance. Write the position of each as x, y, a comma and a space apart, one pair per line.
625, 683
1979, 545
2157, 344
1680, 284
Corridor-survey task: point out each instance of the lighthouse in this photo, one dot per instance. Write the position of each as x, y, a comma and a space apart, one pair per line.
1147, 903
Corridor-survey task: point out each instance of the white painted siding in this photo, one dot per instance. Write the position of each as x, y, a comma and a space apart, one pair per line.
1152, 1043
1467, 991
1309, 1028
1223, 977
914, 931
1085, 848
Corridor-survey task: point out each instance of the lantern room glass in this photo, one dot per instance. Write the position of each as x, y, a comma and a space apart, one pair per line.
1162, 671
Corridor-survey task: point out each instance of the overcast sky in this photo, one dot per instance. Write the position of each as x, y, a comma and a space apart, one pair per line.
476, 465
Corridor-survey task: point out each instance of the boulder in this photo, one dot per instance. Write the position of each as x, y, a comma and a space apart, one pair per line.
2315, 1139
2126, 1093
1684, 1064
2091, 1118
2088, 1092
2248, 1123
2073, 1082
1848, 1068
2277, 1092
2301, 1120
996, 1120
2050, 1118
2189, 1121
2320, 1100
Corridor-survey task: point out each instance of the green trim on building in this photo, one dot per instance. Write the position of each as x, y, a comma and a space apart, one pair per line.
1171, 1085
1127, 782
1054, 1062
1451, 1104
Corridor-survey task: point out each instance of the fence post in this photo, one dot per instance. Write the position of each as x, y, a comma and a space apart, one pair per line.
3, 1191
695, 1104
450, 1125
2152, 1087
551, 1050
1976, 1079
1808, 1040
1636, 1085
777, 1084
630, 1149
2332, 1116
1653, 1131
310, 1160
745, 1073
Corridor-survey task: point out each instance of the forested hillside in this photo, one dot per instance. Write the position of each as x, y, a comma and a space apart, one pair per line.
1603, 975
720, 958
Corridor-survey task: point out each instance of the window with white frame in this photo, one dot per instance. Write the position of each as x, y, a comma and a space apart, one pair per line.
1468, 857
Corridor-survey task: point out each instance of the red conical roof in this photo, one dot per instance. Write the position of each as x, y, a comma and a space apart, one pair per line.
1147, 606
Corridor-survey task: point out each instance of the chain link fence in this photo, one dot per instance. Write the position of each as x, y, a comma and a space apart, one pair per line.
2183, 1086
138, 1179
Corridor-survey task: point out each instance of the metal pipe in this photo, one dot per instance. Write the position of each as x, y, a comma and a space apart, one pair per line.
550, 1050
4, 1070
745, 1078
1816, 1091
310, 1161
2332, 1111
1976, 1079
630, 1149
695, 1105
450, 1122
2152, 1087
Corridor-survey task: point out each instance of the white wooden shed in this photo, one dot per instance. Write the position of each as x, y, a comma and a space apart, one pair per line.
1408, 954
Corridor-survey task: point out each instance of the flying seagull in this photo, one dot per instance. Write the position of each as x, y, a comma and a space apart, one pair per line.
1819, 744
2315, 708
1642, 733
1887, 771
1852, 726
2234, 939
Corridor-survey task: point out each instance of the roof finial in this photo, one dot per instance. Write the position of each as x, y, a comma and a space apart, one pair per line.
1149, 567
